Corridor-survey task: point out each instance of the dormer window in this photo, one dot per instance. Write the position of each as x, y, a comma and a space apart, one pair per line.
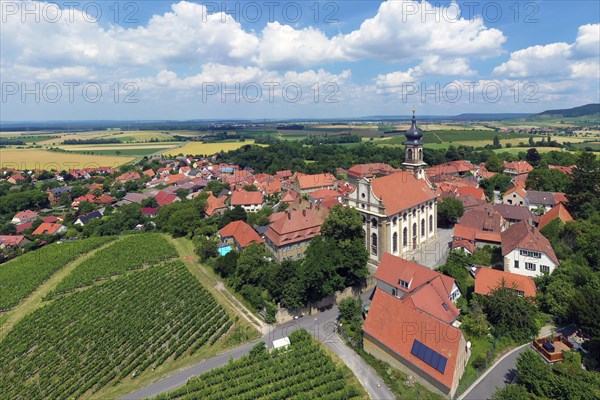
403, 284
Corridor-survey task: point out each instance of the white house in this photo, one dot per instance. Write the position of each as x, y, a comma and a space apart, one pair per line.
527, 252
249, 201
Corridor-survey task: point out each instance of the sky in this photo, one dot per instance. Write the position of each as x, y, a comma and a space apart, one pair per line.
178, 60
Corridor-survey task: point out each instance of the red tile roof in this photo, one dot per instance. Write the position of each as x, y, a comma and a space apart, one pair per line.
487, 279
128, 176
243, 197
293, 226
241, 232
461, 243
149, 173
50, 218
149, 210
565, 170
213, 205
289, 196
396, 323
524, 236
47, 228
369, 170
521, 167
323, 193
401, 191
558, 211
284, 174
518, 190
11, 240
451, 168
26, 215
315, 181
104, 199
21, 227
392, 269
164, 198
477, 193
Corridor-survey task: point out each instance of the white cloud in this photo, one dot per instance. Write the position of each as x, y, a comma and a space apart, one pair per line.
560, 60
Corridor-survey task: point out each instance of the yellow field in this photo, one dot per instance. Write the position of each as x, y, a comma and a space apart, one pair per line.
48, 160
207, 148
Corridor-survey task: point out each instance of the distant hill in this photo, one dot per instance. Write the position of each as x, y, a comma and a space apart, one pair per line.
581, 111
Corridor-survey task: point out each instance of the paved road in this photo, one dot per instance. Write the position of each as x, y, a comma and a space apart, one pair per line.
498, 377
321, 325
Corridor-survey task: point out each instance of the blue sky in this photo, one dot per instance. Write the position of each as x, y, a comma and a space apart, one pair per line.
188, 60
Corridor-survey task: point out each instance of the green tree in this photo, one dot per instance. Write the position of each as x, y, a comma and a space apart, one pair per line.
534, 374
449, 211
475, 321
319, 269
510, 314
351, 319
548, 180
512, 392
584, 191
494, 164
149, 202
533, 157
496, 142
205, 247
85, 207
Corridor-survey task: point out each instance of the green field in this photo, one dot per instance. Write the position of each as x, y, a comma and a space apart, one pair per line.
86, 341
129, 253
302, 371
141, 151
594, 146
22, 275
456, 136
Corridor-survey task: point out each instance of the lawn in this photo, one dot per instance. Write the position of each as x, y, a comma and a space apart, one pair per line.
48, 160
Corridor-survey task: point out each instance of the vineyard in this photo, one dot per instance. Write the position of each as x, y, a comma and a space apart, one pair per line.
302, 371
80, 343
132, 252
22, 275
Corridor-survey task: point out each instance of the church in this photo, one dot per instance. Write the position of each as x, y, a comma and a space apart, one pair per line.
399, 210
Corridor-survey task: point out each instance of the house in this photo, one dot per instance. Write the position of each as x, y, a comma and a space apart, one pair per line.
249, 201
565, 170
399, 277
516, 196
24, 216
477, 193
414, 341
55, 194
239, 234
558, 211
149, 173
399, 210
50, 218
459, 168
481, 224
90, 198
371, 170
513, 214
15, 179
488, 279
84, 219
284, 174
290, 232
517, 168
319, 195
164, 198
214, 206
289, 196
104, 199
47, 228
128, 176
24, 226
12, 241
149, 211
305, 184
527, 252
537, 200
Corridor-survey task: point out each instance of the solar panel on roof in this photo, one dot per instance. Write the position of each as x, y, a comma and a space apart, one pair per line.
429, 356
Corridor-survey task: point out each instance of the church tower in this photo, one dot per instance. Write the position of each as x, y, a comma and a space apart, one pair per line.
413, 150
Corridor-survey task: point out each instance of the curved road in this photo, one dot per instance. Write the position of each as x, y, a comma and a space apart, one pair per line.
321, 325
497, 377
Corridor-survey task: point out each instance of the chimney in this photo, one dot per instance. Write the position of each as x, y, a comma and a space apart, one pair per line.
304, 212
289, 215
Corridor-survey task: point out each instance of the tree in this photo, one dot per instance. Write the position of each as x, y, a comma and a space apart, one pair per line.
250, 188
585, 309
531, 141
512, 392
343, 232
85, 207
449, 211
205, 247
494, 164
351, 319
534, 374
235, 214
149, 202
225, 265
510, 314
548, 180
496, 142
584, 191
250, 266
533, 157
475, 322
182, 193
319, 269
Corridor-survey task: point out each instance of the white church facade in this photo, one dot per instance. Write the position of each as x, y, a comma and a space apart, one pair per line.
399, 210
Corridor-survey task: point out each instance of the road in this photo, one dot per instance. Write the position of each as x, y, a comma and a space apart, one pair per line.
321, 325
499, 376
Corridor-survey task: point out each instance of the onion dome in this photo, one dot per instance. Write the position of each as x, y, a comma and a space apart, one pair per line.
413, 134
